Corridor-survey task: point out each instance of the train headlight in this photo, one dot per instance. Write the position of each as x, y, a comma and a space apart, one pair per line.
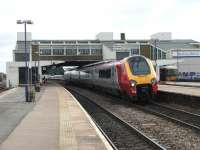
133, 83
153, 81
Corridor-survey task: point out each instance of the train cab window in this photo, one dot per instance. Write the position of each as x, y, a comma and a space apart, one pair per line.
106, 73
139, 66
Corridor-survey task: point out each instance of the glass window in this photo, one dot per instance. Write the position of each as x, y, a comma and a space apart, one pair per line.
139, 66
57, 42
163, 55
134, 51
70, 42
83, 42
106, 73
21, 46
45, 42
159, 54
45, 51
96, 51
58, 51
84, 51
71, 51
95, 41
172, 72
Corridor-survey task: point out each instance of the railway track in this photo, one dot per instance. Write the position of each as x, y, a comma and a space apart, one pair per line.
179, 116
120, 134
184, 118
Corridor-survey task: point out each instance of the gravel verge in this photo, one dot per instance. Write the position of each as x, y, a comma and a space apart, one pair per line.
182, 107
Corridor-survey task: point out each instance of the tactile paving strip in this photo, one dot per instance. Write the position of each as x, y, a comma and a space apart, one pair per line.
67, 137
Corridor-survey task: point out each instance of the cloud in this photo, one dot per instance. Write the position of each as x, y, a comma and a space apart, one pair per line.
83, 19
7, 44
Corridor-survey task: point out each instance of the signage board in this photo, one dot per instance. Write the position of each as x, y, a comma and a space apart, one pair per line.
189, 53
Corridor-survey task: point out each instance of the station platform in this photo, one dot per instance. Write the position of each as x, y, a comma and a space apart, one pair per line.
185, 84
13, 108
56, 122
184, 90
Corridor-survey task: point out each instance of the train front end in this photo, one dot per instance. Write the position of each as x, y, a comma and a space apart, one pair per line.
142, 77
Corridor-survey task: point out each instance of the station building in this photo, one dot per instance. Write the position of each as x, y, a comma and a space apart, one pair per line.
185, 55
161, 49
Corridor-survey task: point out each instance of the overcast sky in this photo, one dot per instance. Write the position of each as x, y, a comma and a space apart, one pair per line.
83, 19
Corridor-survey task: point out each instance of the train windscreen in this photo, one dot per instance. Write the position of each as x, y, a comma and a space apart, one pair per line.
139, 66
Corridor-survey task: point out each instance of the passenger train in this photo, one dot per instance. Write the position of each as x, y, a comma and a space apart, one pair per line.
168, 73
132, 77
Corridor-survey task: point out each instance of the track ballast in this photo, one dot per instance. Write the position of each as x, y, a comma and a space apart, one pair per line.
122, 135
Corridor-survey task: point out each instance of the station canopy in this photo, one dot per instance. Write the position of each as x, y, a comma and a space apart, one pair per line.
58, 69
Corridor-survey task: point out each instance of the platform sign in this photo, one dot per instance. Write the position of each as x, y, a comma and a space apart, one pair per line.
189, 53
189, 75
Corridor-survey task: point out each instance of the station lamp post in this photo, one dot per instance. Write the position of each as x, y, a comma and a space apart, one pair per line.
155, 55
38, 76
155, 52
25, 22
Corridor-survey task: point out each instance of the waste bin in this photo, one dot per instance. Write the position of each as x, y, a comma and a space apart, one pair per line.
31, 95
37, 87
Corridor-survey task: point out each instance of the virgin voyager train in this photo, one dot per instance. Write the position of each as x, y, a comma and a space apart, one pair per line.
133, 77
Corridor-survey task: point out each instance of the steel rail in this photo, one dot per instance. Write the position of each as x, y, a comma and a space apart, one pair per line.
128, 126
175, 109
161, 111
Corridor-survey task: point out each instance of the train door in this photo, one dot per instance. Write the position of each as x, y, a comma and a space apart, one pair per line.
114, 77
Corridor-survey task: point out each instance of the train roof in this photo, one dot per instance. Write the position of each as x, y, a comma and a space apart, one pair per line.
135, 56
97, 63
109, 61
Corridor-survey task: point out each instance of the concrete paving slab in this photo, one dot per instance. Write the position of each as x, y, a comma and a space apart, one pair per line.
78, 132
191, 91
39, 129
187, 84
56, 122
13, 108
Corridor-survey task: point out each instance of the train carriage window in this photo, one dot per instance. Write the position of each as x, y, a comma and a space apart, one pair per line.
106, 73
